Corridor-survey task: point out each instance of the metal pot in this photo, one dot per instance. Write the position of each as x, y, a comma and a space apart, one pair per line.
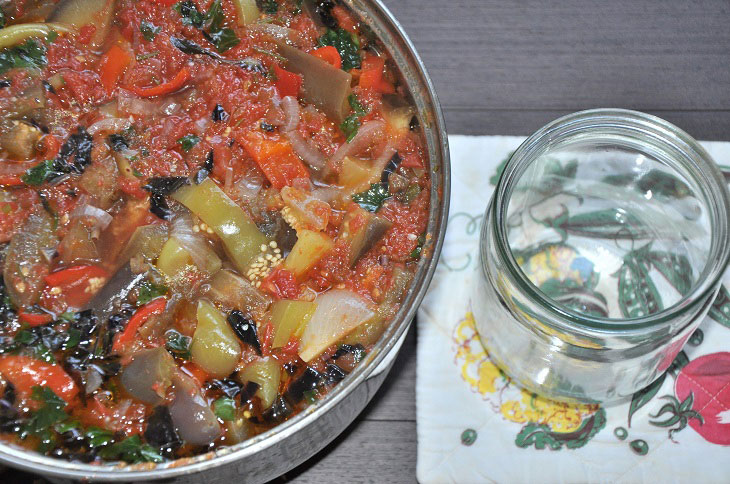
282, 448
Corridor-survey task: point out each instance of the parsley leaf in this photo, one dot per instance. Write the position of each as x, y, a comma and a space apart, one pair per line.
351, 124
372, 198
49, 414
99, 437
225, 408
211, 23
178, 344
346, 44
416, 253
190, 14
188, 141
147, 291
29, 54
149, 30
131, 450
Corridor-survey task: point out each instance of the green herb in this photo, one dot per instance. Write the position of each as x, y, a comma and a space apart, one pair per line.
51, 37
297, 7
43, 353
147, 291
269, 6
29, 54
190, 14
99, 437
416, 253
149, 55
149, 30
68, 316
136, 173
74, 337
225, 408
351, 124
43, 172
211, 24
188, 141
346, 44
131, 450
48, 415
372, 198
310, 396
67, 426
178, 344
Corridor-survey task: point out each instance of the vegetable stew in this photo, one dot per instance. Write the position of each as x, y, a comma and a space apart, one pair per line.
209, 213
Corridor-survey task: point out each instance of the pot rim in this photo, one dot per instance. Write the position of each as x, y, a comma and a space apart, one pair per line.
369, 11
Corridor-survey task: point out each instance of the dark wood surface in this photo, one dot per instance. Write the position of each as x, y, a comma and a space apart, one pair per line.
508, 67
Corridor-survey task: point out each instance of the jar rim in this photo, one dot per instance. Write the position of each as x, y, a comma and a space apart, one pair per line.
697, 161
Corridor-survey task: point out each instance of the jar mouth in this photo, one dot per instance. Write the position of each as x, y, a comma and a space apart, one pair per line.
697, 164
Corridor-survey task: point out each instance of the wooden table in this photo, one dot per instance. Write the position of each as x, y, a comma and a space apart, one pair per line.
508, 67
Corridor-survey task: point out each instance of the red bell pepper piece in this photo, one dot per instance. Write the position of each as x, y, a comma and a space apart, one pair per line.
75, 283
11, 180
330, 55
287, 83
34, 319
25, 373
112, 66
144, 313
275, 157
180, 79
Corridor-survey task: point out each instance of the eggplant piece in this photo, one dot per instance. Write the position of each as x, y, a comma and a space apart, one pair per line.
233, 291
334, 374
160, 431
149, 375
363, 230
245, 329
324, 85
230, 388
193, 419
25, 265
309, 380
19, 139
278, 412
114, 292
77, 13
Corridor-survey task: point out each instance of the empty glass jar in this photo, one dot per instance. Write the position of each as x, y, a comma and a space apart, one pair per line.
601, 250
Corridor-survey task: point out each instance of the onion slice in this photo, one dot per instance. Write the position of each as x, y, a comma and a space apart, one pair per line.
368, 134
338, 312
110, 125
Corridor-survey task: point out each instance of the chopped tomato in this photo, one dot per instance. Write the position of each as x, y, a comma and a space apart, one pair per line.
75, 285
330, 55
86, 33
25, 373
344, 19
112, 66
275, 157
11, 180
51, 146
194, 371
132, 186
125, 416
371, 75
282, 284
287, 83
144, 313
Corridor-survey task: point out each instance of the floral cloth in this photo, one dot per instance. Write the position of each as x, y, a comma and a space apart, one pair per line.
475, 425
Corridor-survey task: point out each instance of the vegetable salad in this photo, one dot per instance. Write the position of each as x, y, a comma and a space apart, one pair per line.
209, 213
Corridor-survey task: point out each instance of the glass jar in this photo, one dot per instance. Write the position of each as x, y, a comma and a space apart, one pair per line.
601, 251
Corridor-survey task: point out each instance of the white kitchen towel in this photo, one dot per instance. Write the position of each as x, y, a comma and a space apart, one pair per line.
474, 425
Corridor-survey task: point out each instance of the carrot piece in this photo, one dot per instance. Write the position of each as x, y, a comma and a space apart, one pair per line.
372, 75
287, 83
138, 319
180, 79
25, 373
328, 54
344, 19
112, 66
276, 158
